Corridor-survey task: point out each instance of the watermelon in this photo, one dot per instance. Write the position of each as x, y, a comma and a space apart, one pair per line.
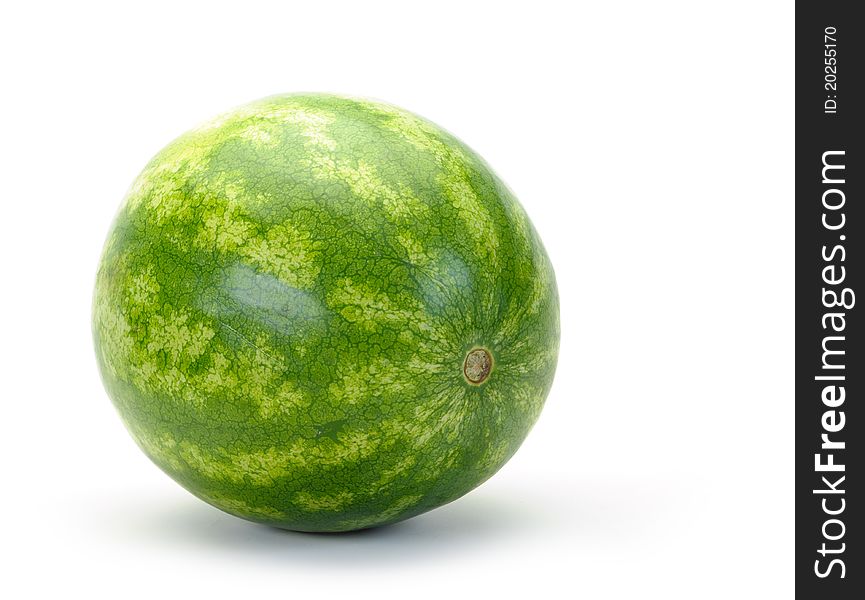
324, 313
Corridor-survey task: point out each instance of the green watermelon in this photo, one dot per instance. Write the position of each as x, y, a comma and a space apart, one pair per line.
325, 314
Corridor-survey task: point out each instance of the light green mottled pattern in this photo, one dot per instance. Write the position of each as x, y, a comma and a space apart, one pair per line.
285, 302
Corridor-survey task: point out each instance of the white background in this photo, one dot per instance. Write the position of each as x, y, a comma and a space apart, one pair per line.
652, 144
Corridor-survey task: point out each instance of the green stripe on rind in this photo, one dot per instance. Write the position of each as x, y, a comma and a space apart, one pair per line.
285, 301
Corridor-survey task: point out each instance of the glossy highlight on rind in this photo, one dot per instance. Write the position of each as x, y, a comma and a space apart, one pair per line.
286, 302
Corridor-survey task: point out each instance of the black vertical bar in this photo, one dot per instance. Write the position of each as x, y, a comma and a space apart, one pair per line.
830, 371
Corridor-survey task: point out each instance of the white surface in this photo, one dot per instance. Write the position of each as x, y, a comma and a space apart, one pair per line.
652, 144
